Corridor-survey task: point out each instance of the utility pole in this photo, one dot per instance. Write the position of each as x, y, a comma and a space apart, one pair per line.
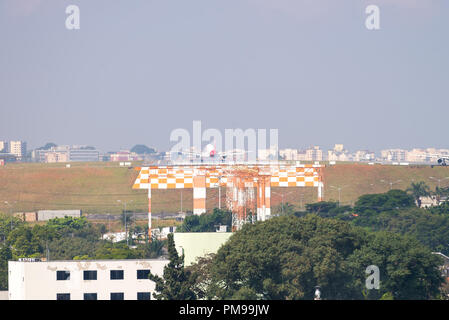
339, 193
301, 200
126, 227
181, 200
10, 212
219, 192
282, 200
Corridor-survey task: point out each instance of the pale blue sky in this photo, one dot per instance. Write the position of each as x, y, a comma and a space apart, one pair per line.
138, 69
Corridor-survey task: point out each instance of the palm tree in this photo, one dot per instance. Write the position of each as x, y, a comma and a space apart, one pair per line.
418, 190
441, 192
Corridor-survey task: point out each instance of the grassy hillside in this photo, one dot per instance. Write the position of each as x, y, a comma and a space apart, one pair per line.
96, 187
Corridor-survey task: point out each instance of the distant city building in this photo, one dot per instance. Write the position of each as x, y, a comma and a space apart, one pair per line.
338, 154
4, 148
394, 155
83, 154
124, 156
314, 154
426, 155
83, 279
339, 148
262, 154
289, 154
18, 148
39, 155
56, 156
67, 154
363, 155
8, 157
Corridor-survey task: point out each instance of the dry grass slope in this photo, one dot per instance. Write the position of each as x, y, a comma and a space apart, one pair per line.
96, 187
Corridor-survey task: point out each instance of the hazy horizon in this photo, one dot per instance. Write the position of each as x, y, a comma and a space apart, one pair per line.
136, 70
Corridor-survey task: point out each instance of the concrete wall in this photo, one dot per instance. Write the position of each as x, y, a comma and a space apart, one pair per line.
4, 295
44, 215
199, 244
37, 280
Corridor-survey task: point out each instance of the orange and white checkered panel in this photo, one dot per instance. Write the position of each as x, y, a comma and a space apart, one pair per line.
181, 177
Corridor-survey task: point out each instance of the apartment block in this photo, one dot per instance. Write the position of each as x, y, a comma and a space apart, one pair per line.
18, 148
83, 279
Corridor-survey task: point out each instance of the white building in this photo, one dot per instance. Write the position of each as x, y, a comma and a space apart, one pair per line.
364, 155
45, 215
397, 155
18, 148
314, 154
195, 245
83, 279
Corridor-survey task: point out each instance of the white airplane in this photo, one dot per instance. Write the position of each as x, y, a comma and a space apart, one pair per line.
442, 160
210, 152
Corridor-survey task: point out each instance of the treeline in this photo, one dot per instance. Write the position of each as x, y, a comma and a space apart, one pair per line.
288, 257
327, 245
394, 211
63, 239
206, 222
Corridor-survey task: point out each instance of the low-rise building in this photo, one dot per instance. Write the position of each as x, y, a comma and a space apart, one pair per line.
198, 244
83, 154
123, 156
44, 215
83, 279
55, 156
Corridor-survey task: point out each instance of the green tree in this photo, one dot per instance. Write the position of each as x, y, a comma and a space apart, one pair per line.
441, 192
66, 248
23, 243
206, 222
369, 204
176, 282
47, 146
328, 209
5, 256
418, 190
142, 149
151, 250
408, 270
286, 257
284, 209
119, 250
201, 275
126, 217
